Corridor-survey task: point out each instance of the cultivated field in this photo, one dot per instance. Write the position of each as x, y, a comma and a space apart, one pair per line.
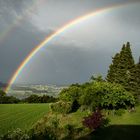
20, 115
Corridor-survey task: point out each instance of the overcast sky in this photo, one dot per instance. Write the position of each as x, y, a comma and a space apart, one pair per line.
74, 55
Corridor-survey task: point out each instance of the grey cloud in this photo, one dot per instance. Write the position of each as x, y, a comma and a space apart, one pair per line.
64, 65
72, 56
16, 46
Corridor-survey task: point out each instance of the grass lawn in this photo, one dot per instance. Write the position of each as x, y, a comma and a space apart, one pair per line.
125, 127
22, 116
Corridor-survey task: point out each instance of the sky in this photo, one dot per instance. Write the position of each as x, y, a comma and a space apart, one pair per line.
76, 54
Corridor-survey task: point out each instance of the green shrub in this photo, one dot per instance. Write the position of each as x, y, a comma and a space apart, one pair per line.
17, 134
106, 95
45, 134
71, 94
72, 132
61, 107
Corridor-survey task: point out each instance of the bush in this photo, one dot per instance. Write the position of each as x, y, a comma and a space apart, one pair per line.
17, 134
61, 107
106, 95
69, 131
70, 94
95, 120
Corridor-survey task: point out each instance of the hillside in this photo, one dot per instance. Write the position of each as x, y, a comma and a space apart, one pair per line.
24, 91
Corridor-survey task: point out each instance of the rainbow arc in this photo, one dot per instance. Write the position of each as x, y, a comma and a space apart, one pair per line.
49, 38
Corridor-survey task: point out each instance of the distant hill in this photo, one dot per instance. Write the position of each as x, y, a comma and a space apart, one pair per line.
24, 91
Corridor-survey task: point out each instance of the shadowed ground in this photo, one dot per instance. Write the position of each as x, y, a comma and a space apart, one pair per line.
116, 132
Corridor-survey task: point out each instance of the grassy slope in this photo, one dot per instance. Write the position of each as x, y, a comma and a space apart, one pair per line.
132, 118
126, 127
20, 116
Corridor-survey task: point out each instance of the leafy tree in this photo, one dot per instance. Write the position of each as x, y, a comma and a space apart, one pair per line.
39, 99
106, 95
4, 99
8, 100
70, 94
33, 99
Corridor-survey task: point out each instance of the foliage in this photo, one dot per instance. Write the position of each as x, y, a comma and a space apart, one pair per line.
135, 80
69, 129
61, 107
106, 95
94, 121
70, 94
17, 134
61, 127
39, 99
121, 67
8, 100
4, 99
97, 78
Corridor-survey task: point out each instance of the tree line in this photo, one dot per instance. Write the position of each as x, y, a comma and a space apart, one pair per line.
4, 99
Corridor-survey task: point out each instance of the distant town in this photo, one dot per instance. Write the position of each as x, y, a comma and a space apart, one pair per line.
23, 91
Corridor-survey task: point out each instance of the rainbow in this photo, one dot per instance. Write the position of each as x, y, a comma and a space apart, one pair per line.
55, 34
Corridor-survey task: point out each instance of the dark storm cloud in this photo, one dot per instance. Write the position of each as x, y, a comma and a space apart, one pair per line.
64, 64
21, 38
16, 47
66, 61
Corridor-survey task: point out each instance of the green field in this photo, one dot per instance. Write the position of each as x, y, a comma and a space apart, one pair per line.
23, 116
20, 115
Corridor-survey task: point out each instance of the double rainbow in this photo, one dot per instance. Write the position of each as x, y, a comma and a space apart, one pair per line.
55, 34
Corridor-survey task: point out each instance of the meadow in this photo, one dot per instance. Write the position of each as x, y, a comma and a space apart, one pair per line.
22, 116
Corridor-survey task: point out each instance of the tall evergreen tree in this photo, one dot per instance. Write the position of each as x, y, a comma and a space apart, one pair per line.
121, 67
134, 83
113, 69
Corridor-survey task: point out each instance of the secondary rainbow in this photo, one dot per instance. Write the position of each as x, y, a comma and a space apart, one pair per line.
19, 20
55, 34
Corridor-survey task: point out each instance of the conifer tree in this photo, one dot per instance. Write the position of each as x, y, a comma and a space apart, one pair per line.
121, 67
126, 65
113, 69
134, 83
